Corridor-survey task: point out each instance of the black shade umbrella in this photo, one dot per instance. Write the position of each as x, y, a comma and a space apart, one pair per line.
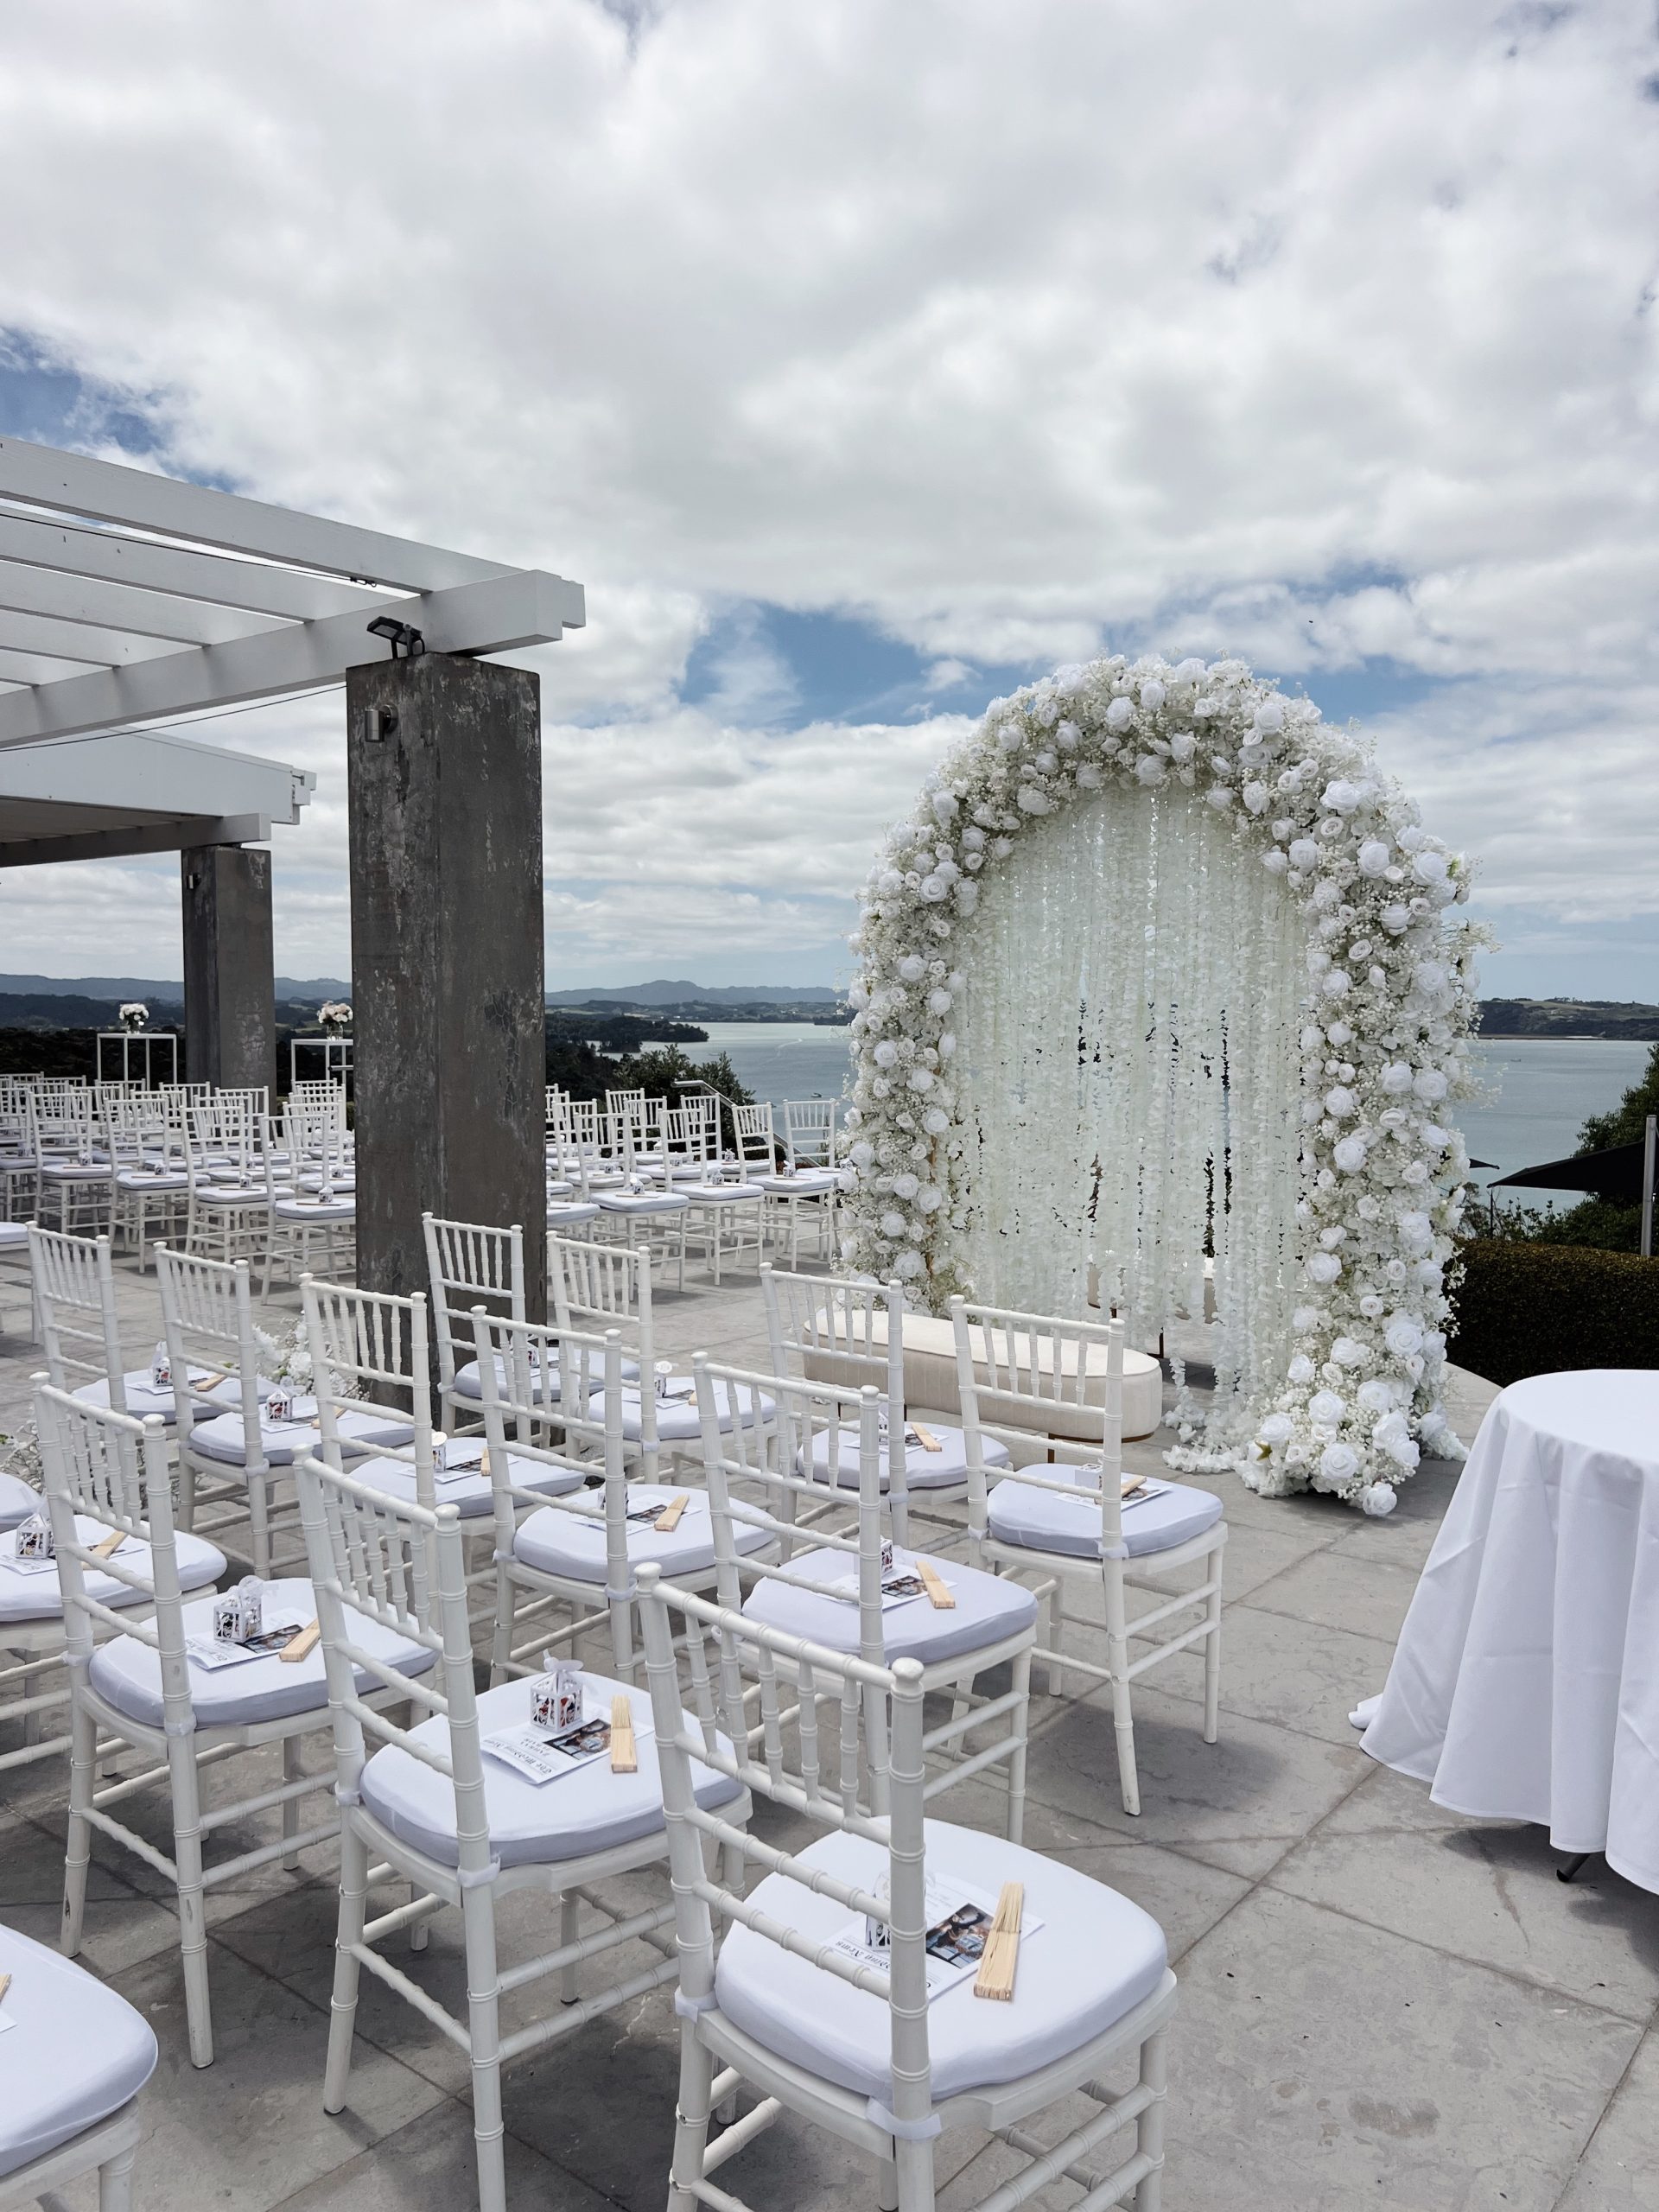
1615, 1173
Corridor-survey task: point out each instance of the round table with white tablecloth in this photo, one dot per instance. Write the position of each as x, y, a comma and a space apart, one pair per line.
1526, 1681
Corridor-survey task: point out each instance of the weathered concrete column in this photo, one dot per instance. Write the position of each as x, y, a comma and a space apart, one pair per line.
445, 770
230, 1012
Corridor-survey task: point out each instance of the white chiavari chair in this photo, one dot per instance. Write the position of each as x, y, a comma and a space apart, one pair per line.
1075, 1520
726, 1210
601, 1287
73, 1177
582, 1553
805, 1192
73, 2080
145, 1684
640, 1211
837, 2031
468, 1263
228, 1215
827, 1329
310, 1195
957, 1622
148, 1188
433, 1806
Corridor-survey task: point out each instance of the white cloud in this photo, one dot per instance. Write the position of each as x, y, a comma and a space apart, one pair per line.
1316, 333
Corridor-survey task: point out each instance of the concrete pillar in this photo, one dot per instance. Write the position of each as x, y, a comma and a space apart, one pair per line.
230, 1012
445, 771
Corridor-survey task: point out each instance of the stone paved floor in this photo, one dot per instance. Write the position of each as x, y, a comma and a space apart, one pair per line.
1382, 2005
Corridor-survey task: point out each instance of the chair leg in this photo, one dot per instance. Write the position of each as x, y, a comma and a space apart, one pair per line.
690, 2119
622, 1637
915, 2163
1017, 1757
1117, 1657
192, 1916
1149, 2128
83, 1753
501, 1640
569, 1930
259, 1519
1212, 1655
483, 2008
1056, 1637
342, 2012
887, 2187
115, 2181
419, 1929
291, 1771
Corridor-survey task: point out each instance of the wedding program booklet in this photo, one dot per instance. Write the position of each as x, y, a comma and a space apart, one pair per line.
541, 1754
207, 1651
899, 1585
959, 1918
50, 1566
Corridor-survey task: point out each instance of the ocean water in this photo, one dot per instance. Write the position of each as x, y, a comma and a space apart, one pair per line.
1539, 1090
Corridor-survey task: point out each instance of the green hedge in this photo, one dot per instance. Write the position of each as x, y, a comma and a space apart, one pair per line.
1531, 1309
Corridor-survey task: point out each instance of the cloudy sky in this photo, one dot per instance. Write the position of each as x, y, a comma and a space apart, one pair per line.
863, 359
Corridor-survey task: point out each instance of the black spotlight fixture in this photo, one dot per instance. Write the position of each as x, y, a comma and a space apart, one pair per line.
398, 634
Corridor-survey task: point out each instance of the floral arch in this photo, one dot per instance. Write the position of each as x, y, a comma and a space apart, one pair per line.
1159, 960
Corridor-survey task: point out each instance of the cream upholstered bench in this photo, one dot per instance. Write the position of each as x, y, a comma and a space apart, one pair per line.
931, 1378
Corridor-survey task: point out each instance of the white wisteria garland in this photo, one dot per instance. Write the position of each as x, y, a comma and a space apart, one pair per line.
1329, 1255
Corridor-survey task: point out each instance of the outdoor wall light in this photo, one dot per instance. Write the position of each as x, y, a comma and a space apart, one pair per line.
398, 633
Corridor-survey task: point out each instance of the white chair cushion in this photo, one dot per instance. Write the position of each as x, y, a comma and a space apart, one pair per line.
299, 1210
721, 1194
561, 1216
17, 1501
590, 1810
27, 1594
572, 1545
1047, 1520
143, 1397
642, 1202
14, 1234
283, 1442
1094, 1959
151, 1180
805, 1183
988, 1607
677, 1418
230, 1194
78, 2053
945, 1469
75, 1171
468, 1384
128, 1674
462, 1486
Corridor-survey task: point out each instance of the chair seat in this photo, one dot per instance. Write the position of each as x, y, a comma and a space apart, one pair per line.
14, 1235
988, 1609
468, 1489
721, 1194
128, 1674
562, 1216
146, 1179
283, 1442
30, 1594
230, 1194
805, 1183
572, 1545
75, 1171
144, 1396
337, 1183
78, 2053
589, 1811
1095, 1957
17, 1501
315, 1209
1046, 1521
468, 1384
945, 1469
677, 1418
629, 1203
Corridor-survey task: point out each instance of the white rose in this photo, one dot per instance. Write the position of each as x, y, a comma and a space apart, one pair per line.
1372, 1306
862, 1154
1274, 861
887, 1053
1276, 1429
1377, 1396
1326, 1408
1029, 800
1396, 919
1349, 1153
1339, 1100
939, 1002
922, 1080
1373, 857
1376, 1499
1416, 1231
1323, 1267
1304, 853
908, 1264
1182, 747
1342, 797
1336, 982
892, 1225
930, 1199
935, 1121
1429, 867
1269, 717
912, 967
1403, 1336
945, 804
1304, 1319
1430, 1085
1152, 696
1348, 1352
1254, 795
1339, 1464
1395, 1078
1150, 769
947, 1046
1119, 714
1300, 1369
905, 1187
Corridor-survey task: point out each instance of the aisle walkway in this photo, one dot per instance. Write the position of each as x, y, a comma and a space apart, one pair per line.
1383, 2006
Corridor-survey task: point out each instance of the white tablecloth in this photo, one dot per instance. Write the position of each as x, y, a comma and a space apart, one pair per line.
1526, 1682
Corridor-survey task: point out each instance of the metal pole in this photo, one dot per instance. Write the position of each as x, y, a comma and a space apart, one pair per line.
1649, 1137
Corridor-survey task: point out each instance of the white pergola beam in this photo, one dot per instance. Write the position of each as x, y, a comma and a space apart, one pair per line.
103, 491
34, 672
63, 596
165, 833
77, 641
519, 607
210, 577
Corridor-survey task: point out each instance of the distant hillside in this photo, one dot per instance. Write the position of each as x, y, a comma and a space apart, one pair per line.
684, 993
302, 990
1625, 1018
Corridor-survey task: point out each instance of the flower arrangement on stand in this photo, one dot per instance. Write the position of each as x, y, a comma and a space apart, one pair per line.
1343, 1390
134, 1017
335, 1017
